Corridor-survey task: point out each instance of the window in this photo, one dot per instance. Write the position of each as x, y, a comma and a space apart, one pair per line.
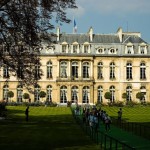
36, 93
49, 93
112, 70
100, 94
85, 70
19, 93
5, 92
100, 70
20, 71
86, 48
142, 71
75, 48
129, 49
100, 51
112, 91
74, 69
86, 94
74, 94
63, 69
37, 71
49, 69
5, 72
129, 71
142, 49
129, 93
64, 48
63, 94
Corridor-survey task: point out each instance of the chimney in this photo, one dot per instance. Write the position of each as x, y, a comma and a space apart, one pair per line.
57, 33
119, 32
91, 34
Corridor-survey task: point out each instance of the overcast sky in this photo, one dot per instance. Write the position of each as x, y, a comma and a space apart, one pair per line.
106, 16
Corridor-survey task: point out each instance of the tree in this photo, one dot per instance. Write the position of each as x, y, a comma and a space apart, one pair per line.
10, 94
124, 95
26, 96
42, 94
140, 96
23, 23
108, 95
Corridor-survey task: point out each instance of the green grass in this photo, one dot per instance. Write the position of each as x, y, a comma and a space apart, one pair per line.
49, 128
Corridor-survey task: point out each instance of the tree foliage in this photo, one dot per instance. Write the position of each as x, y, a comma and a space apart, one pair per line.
140, 95
108, 95
26, 96
42, 94
10, 94
23, 23
124, 95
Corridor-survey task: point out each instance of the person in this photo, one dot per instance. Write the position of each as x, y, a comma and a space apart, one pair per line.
120, 114
27, 113
107, 122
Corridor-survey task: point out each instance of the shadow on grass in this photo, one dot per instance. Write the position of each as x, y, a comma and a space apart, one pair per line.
42, 132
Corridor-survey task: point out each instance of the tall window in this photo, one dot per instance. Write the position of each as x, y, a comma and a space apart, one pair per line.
19, 93
5, 72
63, 94
63, 69
37, 71
20, 71
142, 71
49, 93
112, 70
142, 49
74, 94
112, 91
36, 93
85, 70
64, 48
75, 48
49, 69
129, 93
5, 92
129, 49
86, 94
100, 94
74, 69
129, 71
100, 70
86, 48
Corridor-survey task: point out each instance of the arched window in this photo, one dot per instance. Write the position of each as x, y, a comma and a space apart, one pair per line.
112, 70
112, 91
37, 71
74, 69
63, 94
19, 93
129, 93
142, 71
129, 71
36, 93
74, 94
100, 70
100, 94
5, 92
49, 93
86, 70
49, 69
86, 94
63, 69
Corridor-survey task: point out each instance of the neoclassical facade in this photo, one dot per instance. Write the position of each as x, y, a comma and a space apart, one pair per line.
83, 67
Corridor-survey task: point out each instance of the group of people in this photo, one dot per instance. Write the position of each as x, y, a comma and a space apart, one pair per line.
94, 116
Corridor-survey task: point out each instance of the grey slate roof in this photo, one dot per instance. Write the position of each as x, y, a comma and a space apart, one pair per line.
81, 38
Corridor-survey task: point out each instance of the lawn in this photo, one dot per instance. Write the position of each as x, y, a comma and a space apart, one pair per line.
49, 128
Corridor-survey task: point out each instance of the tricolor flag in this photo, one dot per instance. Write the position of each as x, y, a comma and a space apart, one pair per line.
75, 27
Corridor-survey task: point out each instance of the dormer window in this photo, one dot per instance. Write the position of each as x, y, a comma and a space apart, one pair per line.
100, 50
64, 48
129, 49
112, 51
75, 48
142, 48
86, 48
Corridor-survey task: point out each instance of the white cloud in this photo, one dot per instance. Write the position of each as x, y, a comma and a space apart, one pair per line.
114, 6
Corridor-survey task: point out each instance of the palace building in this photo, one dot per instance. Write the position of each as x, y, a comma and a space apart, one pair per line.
83, 67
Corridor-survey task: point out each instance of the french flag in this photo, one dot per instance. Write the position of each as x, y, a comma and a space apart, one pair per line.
75, 26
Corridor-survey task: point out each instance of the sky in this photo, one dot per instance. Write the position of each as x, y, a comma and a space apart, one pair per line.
106, 16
